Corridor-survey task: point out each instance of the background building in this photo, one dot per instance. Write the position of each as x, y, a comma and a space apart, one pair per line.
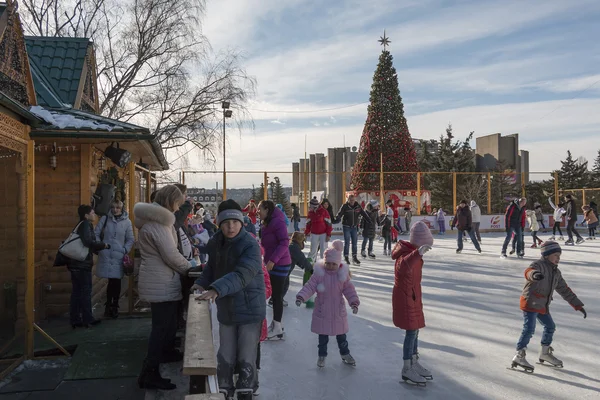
493, 149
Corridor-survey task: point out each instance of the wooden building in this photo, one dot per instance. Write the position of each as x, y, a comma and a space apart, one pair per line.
52, 157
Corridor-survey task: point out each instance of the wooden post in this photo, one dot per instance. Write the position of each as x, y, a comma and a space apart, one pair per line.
556, 195
343, 188
84, 178
266, 186
523, 184
583, 197
183, 177
454, 192
381, 185
131, 201
148, 186
305, 194
30, 252
489, 193
418, 193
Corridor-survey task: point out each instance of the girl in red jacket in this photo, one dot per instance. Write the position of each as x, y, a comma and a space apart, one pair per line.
252, 211
407, 303
318, 226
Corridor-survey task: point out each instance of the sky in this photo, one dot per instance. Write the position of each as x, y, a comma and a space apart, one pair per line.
528, 67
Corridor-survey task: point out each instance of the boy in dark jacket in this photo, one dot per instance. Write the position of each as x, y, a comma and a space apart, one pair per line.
464, 223
233, 277
571, 216
542, 278
368, 228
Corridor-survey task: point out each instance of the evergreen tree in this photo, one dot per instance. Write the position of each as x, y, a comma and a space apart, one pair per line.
259, 193
279, 196
505, 188
573, 173
595, 173
385, 131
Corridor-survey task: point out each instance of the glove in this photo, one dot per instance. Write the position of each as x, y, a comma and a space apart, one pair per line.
582, 310
298, 301
537, 276
354, 309
424, 249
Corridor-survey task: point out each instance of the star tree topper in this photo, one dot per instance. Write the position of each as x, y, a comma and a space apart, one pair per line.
384, 40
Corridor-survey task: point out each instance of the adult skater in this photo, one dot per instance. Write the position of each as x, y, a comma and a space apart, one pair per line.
476, 215
559, 212
542, 278
349, 214
464, 223
512, 220
571, 215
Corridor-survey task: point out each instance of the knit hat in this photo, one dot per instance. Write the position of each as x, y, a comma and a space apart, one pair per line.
333, 253
314, 202
374, 203
229, 209
550, 247
420, 235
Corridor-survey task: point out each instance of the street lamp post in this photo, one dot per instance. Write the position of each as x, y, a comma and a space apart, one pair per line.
226, 114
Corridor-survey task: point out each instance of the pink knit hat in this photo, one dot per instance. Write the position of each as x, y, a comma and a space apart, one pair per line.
333, 253
420, 235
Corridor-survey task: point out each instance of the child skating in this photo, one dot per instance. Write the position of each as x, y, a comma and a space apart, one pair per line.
534, 228
331, 282
407, 302
591, 220
559, 213
542, 278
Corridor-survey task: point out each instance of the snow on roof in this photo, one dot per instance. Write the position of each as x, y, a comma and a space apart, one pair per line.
64, 120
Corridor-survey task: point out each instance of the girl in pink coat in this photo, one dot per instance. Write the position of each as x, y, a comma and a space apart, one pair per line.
331, 282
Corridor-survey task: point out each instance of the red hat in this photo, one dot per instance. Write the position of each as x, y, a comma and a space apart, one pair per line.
252, 201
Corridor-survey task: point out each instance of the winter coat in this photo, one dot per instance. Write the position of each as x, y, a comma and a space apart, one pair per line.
268, 292
463, 219
234, 271
385, 220
407, 304
298, 257
252, 212
514, 215
441, 215
295, 214
209, 226
571, 210
162, 263
539, 214
349, 214
117, 232
475, 212
369, 226
318, 222
558, 211
534, 226
275, 240
329, 315
88, 238
537, 295
590, 218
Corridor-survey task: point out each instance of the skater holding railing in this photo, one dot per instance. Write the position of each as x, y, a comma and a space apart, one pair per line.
542, 278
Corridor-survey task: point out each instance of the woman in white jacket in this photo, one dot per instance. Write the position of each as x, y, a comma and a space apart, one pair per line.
559, 211
159, 280
476, 219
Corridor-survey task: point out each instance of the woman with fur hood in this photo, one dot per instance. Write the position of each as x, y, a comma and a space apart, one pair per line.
331, 282
534, 227
159, 280
407, 304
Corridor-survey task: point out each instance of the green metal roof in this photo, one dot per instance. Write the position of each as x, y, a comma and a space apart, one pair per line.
45, 94
3, 6
60, 61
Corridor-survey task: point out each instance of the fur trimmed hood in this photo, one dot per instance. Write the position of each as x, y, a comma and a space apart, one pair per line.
145, 213
343, 273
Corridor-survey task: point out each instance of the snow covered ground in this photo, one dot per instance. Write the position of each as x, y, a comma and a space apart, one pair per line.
473, 322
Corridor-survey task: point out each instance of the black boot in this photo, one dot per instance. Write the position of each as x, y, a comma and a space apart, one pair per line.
347, 260
114, 309
150, 379
355, 260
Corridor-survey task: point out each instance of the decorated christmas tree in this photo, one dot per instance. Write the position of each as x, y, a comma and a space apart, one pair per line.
385, 131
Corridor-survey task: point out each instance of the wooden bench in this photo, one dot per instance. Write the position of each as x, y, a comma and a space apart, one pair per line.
208, 396
199, 356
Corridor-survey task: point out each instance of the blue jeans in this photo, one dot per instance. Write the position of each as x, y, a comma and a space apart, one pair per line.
518, 234
411, 344
81, 297
364, 244
459, 239
342, 345
296, 227
350, 233
529, 319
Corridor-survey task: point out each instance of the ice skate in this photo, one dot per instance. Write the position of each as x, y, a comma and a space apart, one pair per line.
512, 252
580, 240
521, 255
419, 369
534, 246
228, 395
363, 254
347, 260
385, 252
355, 260
348, 359
552, 237
243, 394
503, 255
561, 238
372, 256
570, 243
285, 303
321, 362
519, 360
458, 251
547, 356
409, 375
275, 331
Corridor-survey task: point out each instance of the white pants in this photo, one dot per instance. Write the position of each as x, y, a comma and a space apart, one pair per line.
315, 242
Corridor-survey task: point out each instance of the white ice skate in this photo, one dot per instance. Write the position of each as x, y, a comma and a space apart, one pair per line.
561, 238
552, 238
409, 375
519, 360
348, 359
321, 362
275, 331
419, 369
547, 356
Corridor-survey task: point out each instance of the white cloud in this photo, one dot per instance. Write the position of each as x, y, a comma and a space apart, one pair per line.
277, 122
590, 83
